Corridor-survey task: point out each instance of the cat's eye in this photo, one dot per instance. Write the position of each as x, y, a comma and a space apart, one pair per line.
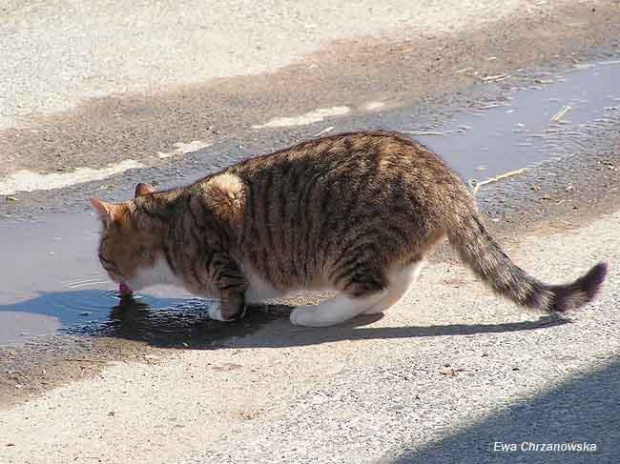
108, 265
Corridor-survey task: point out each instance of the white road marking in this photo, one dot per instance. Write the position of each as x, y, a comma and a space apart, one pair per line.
28, 181
374, 105
311, 117
185, 148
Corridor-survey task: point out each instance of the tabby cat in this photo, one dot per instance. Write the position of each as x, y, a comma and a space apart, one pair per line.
355, 213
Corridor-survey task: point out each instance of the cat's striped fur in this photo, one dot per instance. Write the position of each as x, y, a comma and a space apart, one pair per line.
356, 213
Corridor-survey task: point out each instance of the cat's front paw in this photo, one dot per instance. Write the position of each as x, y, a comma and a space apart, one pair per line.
304, 316
215, 312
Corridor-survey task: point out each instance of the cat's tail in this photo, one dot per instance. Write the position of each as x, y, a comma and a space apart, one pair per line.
484, 256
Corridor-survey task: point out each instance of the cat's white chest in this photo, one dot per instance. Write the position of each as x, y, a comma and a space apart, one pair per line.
160, 273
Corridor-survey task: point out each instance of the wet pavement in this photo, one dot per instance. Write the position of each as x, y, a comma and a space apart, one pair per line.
53, 277
533, 123
55, 283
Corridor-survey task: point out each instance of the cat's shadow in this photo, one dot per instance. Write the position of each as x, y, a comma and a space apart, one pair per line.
136, 321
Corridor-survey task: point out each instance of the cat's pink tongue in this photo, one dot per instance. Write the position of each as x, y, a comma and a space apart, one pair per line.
124, 289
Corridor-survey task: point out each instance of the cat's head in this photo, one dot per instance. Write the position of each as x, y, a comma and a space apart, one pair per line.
130, 242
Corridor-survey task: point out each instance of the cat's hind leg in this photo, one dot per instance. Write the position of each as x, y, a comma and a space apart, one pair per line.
362, 288
399, 283
335, 310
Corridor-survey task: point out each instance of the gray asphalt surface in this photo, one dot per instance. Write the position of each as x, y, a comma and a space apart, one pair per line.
116, 106
581, 410
58, 53
441, 377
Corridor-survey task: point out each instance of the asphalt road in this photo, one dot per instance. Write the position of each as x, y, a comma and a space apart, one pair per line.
93, 85
183, 90
445, 374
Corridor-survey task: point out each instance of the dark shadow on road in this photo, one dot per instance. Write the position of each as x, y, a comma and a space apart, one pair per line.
188, 327
184, 323
134, 321
585, 409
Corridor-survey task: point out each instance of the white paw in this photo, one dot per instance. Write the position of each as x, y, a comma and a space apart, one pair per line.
304, 316
215, 313
377, 309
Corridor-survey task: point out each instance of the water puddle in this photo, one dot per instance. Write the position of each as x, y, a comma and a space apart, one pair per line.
52, 279
550, 119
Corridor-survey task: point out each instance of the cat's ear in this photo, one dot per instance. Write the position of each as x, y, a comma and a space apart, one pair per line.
104, 210
144, 189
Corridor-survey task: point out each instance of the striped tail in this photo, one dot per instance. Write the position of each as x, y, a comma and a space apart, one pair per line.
487, 260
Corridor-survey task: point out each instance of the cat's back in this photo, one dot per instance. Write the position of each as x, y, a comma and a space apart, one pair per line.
306, 203
343, 155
